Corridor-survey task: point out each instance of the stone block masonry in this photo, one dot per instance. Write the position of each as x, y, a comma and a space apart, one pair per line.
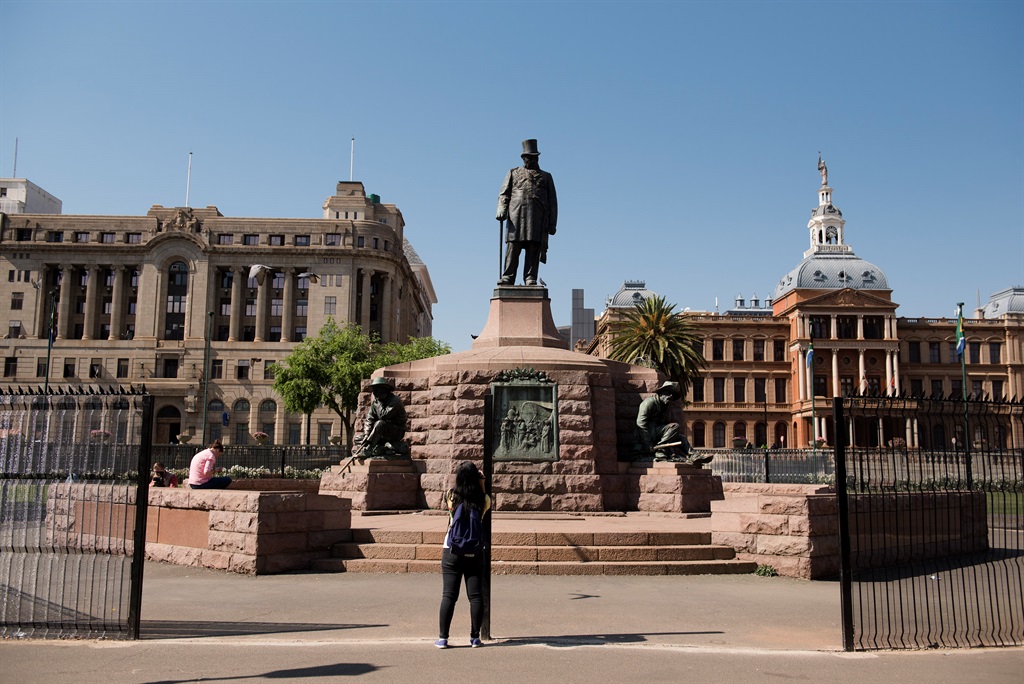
249, 532
795, 528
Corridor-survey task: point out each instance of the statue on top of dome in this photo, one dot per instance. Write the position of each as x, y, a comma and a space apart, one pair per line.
823, 170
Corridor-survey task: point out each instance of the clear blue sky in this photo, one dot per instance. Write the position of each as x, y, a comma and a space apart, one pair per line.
683, 137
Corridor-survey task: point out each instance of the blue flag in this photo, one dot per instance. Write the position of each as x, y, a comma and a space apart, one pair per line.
960, 341
810, 355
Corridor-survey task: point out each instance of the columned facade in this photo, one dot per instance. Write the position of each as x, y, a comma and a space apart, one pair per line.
133, 297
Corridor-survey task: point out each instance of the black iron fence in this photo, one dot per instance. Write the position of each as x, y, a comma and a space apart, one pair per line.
932, 522
791, 466
255, 460
71, 551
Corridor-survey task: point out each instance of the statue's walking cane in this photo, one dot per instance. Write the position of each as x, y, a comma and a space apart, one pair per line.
501, 232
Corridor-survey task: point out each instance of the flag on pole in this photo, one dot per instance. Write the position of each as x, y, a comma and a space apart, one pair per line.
810, 355
960, 341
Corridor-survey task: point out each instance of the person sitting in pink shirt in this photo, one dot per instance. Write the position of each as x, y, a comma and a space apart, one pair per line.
200, 471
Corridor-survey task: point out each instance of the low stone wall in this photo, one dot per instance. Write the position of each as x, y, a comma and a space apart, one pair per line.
795, 528
244, 531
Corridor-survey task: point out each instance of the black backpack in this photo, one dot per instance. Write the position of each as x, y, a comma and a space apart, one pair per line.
466, 532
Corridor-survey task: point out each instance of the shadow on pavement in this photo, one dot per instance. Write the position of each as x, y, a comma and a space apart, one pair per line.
173, 629
336, 670
567, 640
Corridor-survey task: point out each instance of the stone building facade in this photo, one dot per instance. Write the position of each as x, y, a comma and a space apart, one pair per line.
759, 388
159, 299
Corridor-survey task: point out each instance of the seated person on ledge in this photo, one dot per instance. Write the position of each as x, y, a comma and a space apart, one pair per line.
200, 472
385, 424
656, 435
162, 478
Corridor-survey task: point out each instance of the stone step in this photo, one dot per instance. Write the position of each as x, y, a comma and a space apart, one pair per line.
707, 567
365, 536
543, 554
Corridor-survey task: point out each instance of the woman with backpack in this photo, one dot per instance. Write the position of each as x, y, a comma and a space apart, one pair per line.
463, 553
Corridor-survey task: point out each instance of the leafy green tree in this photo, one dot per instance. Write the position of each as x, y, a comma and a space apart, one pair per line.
329, 369
664, 340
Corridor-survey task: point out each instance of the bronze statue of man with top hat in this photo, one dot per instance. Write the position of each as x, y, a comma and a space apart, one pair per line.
385, 424
529, 206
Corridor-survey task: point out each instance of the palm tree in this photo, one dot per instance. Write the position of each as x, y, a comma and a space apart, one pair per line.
668, 342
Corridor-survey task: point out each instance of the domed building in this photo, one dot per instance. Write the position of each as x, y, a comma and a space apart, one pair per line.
763, 384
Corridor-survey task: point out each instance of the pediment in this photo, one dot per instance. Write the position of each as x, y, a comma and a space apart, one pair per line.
848, 298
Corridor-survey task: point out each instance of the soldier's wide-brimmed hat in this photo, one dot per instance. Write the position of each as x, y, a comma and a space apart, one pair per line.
530, 148
382, 382
669, 387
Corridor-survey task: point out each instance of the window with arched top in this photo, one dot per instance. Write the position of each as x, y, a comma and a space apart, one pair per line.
268, 406
215, 405
241, 406
739, 430
718, 435
177, 296
699, 438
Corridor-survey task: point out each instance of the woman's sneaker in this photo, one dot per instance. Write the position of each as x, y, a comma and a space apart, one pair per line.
476, 643
441, 643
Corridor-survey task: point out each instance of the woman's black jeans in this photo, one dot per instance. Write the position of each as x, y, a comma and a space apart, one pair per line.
453, 569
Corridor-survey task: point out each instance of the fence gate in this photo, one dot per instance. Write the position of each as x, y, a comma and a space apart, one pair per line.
930, 517
72, 467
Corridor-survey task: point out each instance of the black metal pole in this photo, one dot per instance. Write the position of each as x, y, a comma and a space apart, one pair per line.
767, 474
485, 626
845, 566
141, 512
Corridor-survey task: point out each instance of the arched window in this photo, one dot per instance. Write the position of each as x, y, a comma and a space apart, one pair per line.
177, 296
268, 406
718, 435
242, 406
215, 405
739, 430
699, 439
780, 435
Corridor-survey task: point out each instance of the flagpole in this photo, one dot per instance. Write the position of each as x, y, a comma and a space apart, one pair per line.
961, 345
814, 420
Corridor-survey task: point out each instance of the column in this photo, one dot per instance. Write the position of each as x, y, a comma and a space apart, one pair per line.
896, 371
386, 310
41, 322
801, 382
365, 317
262, 295
117, 303
288, 311
237, 304
91, 289
888, 373
860, 326
835, 373
860, 365
833, 322
64, 311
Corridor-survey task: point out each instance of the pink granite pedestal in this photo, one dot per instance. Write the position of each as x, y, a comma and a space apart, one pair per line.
662, 486
376, 484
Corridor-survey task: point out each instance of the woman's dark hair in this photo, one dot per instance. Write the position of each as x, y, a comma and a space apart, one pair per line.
216, 445
468, 487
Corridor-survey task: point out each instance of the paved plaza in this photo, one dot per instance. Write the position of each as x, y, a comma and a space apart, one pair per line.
212, 626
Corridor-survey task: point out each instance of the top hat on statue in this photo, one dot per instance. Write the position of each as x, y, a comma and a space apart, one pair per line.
530, 148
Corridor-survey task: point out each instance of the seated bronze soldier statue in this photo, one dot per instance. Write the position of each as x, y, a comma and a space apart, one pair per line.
657, 436
385, 425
